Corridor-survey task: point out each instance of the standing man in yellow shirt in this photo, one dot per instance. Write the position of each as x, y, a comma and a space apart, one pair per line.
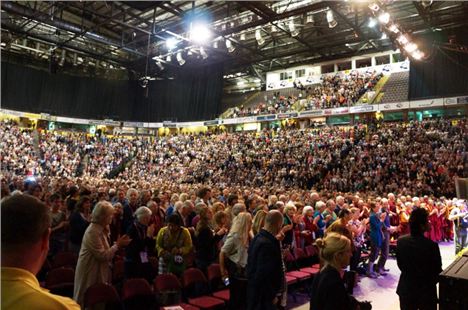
25, 244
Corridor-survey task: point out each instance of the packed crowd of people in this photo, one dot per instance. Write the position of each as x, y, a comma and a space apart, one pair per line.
418, 158
334, 91
195, 200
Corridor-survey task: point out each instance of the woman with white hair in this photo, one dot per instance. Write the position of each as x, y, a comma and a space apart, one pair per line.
96, 254
309, 226
137, 253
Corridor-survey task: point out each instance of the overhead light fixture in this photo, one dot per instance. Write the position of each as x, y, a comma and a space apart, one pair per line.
410, 47
402, 39
189, 52
258, 37
394, 28
374, 7
179, 58
171, 43
426, 4
160, 66
257, 80
215, 44
203, 53
274, 28
384, 36
230, 47
240, 83
168, 58
384, 18
62, 58
418, 55
310, 18
292, 28
242, 37
372, 22
331, 19
199, 33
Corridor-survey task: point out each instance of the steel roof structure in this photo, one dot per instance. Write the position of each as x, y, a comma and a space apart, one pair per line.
117, 38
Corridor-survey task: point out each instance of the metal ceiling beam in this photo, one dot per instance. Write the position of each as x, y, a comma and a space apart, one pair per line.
61, 24
69, 47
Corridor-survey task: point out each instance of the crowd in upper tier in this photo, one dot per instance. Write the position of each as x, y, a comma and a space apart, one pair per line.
334, 91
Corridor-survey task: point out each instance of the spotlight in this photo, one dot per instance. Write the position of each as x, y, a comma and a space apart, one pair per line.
410, 47
171, 43
258, 37
168, 58
274, 29
310, 18
402, 39
215, 44
384, 18
160, 66
179, 58
200, 33
372, 22
393, 28
242, 37
331, 19
189, 53
384, 36
203, 53
374, 7
230, 47
292, 28
418, 55
426, 4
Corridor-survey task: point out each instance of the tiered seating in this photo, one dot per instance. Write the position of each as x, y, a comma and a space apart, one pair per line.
396, 88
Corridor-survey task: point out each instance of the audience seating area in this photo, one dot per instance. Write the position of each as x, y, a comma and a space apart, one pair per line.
396, 88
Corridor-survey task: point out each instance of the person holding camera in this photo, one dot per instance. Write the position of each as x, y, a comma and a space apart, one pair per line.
173, 244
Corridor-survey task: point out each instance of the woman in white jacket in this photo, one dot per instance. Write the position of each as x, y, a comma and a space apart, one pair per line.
96, 255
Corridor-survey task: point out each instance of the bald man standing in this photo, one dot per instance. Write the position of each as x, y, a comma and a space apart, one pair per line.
264, 266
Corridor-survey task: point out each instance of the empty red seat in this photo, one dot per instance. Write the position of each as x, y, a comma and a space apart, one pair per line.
290, 280
224, 295
300, 276
60, 281
169, 283
310, 270
215, 279
137, 294
194, 276
102, 293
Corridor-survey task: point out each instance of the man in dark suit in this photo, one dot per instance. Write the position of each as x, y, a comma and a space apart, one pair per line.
420, 263
264, 266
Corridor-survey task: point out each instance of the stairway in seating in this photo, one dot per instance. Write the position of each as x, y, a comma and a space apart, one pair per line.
396, 88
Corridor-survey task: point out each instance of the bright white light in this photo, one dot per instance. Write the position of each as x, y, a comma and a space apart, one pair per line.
257, 80
402, 39
417, 55
230, 47
292, 28
258, 37
160, 66
331, 19
384, 18
384, 36
393, 28
273, 28
372, 22
242, 37
410, 47
179, 58
168, 58
200, 33
171, 43
374, 7
240, 83
203, 53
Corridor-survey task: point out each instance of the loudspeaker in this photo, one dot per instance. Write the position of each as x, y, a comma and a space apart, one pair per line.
461, 185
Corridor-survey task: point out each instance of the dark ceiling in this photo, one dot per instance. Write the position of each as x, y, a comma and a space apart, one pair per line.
114, 38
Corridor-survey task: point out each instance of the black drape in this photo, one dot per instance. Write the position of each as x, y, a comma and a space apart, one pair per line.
446, 74
195, 94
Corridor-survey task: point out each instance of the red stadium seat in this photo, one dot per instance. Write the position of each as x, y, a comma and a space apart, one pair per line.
60, 281
192, 277
169, 283
65, 259
214, 277
137, 294
300, 276
102, 294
